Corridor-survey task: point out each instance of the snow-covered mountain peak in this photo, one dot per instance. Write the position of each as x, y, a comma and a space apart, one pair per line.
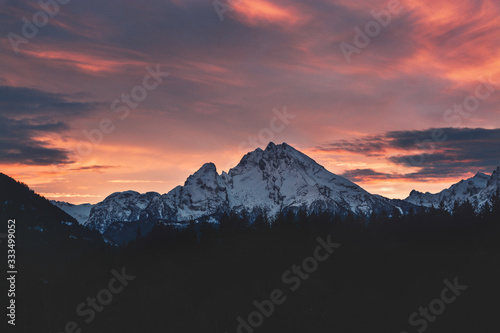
280, 177
275, 158
271, 181
207, 175
480, 179
495, 177
270, 146
122, 195
120, 206
470, 185
206, 168
79, 212
477, 190
480, 175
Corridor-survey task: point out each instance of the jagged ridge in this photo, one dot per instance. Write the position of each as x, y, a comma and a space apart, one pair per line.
478, 190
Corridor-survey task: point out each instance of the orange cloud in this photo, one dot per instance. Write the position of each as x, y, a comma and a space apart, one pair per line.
432, 52
258, 11
87, 62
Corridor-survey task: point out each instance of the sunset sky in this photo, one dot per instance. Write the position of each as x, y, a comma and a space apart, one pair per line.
416, 108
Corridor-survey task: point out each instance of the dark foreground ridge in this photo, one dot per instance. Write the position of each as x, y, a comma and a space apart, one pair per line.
206, 277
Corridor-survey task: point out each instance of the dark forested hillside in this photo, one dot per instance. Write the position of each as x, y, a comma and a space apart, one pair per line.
204, 277
37, 217
379, 272
47, 241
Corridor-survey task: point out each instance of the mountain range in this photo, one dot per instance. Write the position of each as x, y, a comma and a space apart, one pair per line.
80, 213
478, 190
270, 181
277, 179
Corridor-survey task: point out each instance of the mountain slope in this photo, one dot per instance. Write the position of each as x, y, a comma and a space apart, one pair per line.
204, 193
478, 190
122, 206
279, 178
38, 218
81, 212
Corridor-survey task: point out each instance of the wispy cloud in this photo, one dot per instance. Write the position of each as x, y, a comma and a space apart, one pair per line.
20, 142
132, 181
28, 102
461, 150
94, 168
358, 175
227, 76
69, 195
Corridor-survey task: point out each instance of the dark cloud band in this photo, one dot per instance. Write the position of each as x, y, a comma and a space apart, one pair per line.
437, 152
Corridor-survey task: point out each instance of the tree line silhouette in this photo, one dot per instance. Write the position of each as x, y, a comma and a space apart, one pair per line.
204, 276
